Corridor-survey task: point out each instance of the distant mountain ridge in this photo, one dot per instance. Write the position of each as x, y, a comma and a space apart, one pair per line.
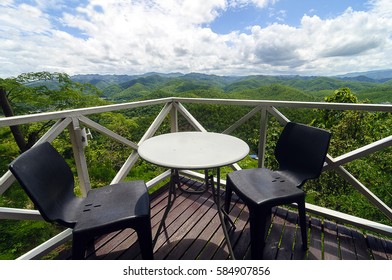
373, 85
375, 74
369, 76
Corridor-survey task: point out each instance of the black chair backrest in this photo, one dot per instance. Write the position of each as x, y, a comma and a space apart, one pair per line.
49, 182
301, 151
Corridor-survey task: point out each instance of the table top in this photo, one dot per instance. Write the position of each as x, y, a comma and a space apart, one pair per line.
193, 150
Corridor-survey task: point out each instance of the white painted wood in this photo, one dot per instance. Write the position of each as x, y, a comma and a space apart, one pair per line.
365, 191
19, 214
48, 246
130, 162
72, 113
289, 104
236, 167
263, 137
116, 107
79, 156
188, 116
243, 120
360, 187
124, 170
54, 131
157, 122
282, 119
91, 124
161, 177
174, 119
349, 219
360, 152
200, 176
8, 179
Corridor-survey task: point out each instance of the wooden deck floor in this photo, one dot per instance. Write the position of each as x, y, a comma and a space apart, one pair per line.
193, 231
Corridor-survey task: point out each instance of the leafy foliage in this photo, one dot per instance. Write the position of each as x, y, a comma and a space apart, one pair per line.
121, 88
38, 92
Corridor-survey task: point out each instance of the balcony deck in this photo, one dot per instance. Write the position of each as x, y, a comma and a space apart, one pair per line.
193, 232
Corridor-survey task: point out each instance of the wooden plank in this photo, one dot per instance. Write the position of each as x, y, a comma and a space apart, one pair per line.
218, 240
118, 245
234, 235
315, 240
215, 237
361, 248
175, 231
195, 232
113, 245
285, 251
198, 222
346, 243
348, 219
387, 244
132, 253
273, 239
103, 245
242, 232
376, 248
121, 242
158, 210
198, 247
331, 249
202, 244
298, 252
158, 206
191, 216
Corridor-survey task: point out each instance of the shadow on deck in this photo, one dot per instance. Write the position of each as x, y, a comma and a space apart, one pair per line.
193, 231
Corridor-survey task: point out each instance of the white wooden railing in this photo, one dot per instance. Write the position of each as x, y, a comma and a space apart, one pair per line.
75, 120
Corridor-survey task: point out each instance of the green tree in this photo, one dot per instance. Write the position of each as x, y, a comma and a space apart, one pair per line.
351, 130
43, 91
27, 94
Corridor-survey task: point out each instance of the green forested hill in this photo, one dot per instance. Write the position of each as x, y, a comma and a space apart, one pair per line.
312, 88
43, 92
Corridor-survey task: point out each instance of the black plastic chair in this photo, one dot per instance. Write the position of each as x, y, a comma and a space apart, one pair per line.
49, 182
300, 152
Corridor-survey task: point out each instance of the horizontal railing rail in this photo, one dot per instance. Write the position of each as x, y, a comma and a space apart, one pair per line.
76, 119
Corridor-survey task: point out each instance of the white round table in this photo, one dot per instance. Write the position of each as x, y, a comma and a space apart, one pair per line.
194, 150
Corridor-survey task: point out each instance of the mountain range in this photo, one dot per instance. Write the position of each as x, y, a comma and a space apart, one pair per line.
373, 85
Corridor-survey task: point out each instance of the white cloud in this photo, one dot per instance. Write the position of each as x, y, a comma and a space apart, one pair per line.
128, 37
257, 3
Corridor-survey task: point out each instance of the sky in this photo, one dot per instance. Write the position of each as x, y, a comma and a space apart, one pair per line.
221, 37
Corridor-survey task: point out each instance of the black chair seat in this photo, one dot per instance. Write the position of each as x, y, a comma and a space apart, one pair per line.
49, 182
264, 186
110, 208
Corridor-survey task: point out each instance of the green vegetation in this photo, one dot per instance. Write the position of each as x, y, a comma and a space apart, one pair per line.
126, 88
39, 92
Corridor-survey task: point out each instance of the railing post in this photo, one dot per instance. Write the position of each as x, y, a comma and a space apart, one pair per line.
174, 119
263, 136
80, 158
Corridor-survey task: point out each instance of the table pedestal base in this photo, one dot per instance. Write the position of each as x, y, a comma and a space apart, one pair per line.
209, 182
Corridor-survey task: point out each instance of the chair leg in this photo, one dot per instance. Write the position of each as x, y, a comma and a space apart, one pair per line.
258, 221
228, 195
144, 235
78, 247
302, 222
